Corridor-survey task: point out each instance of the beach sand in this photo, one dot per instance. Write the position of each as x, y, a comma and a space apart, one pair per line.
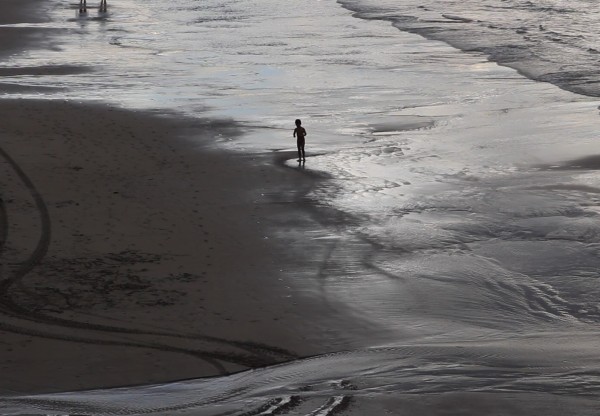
134, 252
132, 256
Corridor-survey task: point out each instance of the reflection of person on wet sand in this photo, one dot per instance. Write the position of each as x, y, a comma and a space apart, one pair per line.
300, 133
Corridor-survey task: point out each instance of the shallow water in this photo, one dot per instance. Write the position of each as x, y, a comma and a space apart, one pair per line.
549, 40
469, 195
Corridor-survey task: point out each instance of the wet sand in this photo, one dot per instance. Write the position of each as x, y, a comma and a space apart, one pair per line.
134, 252
20, 11
16, 39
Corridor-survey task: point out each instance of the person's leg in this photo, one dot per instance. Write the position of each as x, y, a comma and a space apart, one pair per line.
303, 154
299, 152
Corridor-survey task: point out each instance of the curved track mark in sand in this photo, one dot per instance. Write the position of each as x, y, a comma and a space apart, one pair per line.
260, 351
3, 228
160, 347
43, 243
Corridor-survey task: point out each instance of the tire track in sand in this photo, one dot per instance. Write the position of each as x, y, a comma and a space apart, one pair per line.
3, 229
258, 354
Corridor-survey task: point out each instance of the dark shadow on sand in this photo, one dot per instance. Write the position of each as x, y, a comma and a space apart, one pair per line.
281, 157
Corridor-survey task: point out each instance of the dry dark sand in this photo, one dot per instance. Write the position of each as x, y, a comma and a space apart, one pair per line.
131, 255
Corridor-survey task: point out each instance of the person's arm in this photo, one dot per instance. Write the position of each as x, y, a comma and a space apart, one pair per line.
295, 132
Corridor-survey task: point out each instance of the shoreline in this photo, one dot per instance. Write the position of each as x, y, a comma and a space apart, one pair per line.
455, 39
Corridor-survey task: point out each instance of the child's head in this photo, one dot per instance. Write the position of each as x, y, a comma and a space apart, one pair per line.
298, 122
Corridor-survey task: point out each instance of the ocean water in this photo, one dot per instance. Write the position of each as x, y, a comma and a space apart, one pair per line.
470, 191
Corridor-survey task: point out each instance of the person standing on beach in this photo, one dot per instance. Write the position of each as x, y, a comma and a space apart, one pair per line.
300, 133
